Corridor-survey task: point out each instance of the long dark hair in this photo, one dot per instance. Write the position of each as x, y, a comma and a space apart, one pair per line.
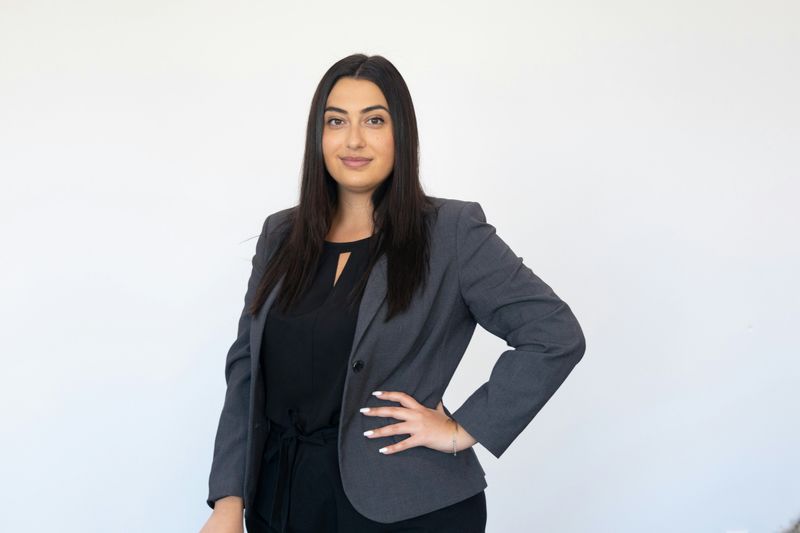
401, 210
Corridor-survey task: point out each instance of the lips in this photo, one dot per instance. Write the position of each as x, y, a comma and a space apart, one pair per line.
355, 162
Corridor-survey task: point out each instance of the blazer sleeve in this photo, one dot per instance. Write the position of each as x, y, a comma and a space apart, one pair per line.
507, 299
227, 467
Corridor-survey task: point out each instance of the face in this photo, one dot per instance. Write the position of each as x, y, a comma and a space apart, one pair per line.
357, 125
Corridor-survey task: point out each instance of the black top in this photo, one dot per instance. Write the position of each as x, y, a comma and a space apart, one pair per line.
304, 353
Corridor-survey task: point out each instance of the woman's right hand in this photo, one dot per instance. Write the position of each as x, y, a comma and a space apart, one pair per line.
219, 523
226, 518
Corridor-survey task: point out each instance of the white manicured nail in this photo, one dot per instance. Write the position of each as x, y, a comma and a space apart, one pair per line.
377, 393
364, 409
382, 450
367, 433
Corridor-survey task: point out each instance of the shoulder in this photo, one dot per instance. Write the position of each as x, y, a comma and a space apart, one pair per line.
450, 209
276, 221
455, 214
279, 216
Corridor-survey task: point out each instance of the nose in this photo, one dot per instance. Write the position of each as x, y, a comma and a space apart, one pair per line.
355, 139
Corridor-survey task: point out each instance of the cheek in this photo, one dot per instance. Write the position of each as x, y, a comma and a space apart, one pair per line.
387, 148
330, 144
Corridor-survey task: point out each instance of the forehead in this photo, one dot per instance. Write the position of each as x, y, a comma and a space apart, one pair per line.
353, 95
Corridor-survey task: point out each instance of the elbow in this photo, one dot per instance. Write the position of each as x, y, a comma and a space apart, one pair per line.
575, 341
580, 347
579, 340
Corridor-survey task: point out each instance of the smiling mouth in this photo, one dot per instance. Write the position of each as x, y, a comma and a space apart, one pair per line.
355, 163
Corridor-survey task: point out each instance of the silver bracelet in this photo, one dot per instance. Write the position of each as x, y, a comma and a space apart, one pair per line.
454, 436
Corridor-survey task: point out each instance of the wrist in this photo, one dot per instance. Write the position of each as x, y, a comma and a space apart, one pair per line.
463, 439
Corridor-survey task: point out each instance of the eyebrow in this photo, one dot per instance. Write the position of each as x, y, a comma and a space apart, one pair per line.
365, 110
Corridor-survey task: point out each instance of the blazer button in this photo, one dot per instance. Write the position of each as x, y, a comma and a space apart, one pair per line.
358, 365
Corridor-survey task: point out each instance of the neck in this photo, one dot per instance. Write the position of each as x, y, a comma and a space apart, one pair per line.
353, 214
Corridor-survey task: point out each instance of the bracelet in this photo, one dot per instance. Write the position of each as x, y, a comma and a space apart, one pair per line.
454, 436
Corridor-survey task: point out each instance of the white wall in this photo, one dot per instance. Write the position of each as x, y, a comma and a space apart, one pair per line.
641, 157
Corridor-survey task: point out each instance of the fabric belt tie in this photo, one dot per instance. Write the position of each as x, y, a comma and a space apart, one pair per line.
287, 452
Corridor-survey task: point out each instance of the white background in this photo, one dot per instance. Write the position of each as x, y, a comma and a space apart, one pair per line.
642, 157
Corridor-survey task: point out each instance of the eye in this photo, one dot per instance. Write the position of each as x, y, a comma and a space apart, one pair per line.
330, 119
376, 118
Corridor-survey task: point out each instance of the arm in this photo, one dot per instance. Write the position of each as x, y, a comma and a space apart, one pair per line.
227, 468
509, 300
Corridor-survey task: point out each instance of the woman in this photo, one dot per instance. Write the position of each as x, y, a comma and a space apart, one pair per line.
360, 304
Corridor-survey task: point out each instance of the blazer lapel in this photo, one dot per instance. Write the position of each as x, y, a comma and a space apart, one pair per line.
374, 295
257, 327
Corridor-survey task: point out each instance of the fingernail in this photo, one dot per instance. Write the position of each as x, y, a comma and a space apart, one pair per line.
364, 409
367, 433
382, 450
377, 393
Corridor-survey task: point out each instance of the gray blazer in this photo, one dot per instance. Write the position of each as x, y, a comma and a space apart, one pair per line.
474, 278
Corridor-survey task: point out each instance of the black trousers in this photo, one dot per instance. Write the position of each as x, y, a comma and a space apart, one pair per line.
300, 491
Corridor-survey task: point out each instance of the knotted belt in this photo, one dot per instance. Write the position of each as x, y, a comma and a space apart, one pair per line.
287, 452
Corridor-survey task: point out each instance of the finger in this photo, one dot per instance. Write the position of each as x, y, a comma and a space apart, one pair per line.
404, 399
386, 431
400, 413
398, 447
